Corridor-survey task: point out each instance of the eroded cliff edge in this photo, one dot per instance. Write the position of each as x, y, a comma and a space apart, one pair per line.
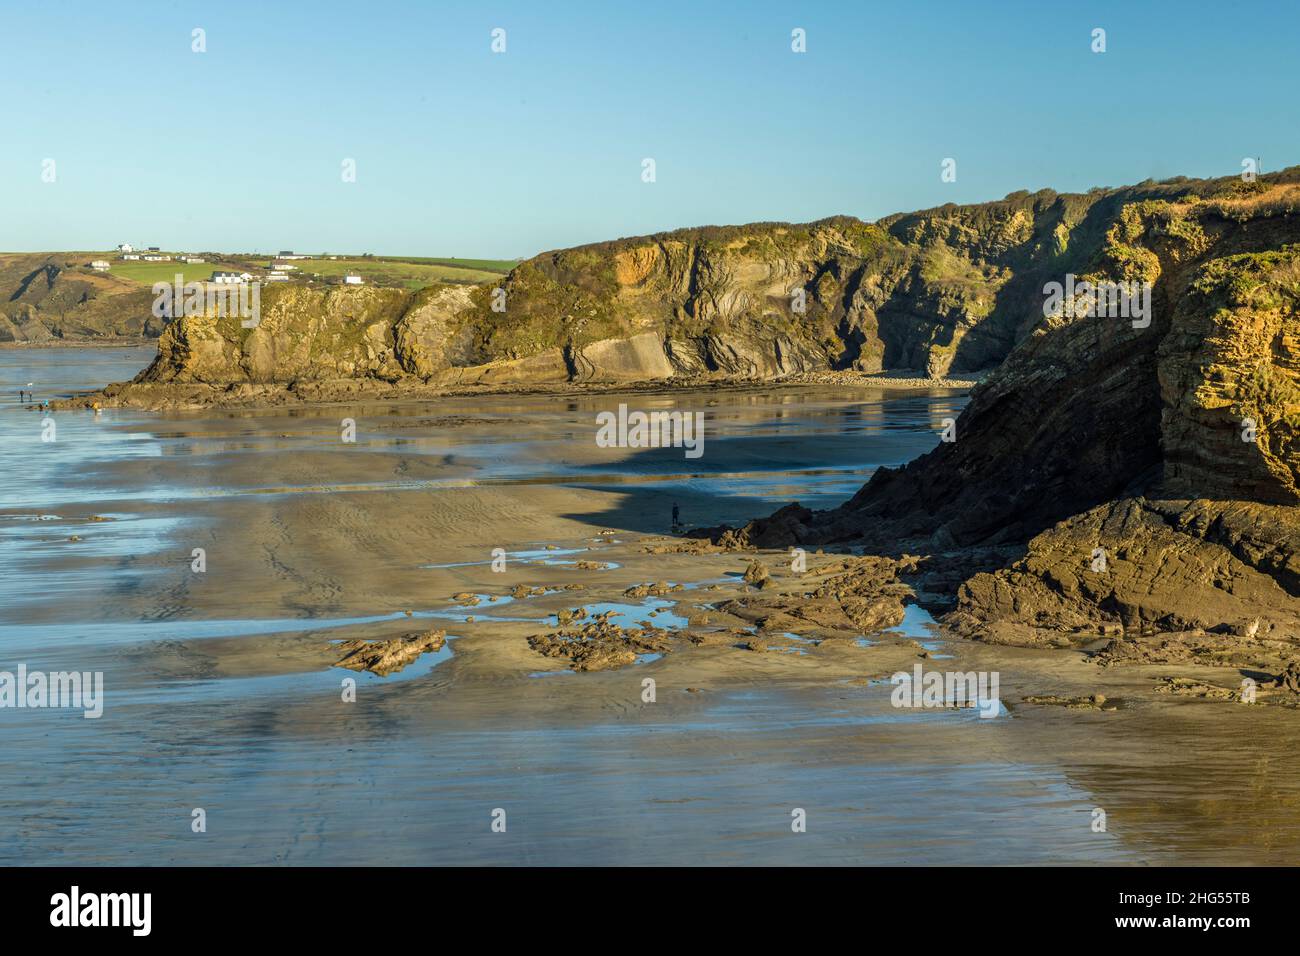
45, 298
1115, 478
945, 291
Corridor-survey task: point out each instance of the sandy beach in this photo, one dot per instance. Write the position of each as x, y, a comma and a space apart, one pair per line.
222, 692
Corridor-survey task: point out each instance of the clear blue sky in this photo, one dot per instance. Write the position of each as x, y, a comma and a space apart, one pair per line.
460, 151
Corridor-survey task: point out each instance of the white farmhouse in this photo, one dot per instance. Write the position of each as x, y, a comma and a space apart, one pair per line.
229, 278
100, 265
125, 247
351, 279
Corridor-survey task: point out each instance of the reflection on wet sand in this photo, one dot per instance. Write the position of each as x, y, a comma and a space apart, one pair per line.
221, 692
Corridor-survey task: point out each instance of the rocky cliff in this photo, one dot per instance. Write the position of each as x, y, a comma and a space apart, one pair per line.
947, 290
1113, 472
46, 298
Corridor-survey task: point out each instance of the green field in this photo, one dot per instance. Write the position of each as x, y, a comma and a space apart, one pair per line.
147, 273
411, 273
404, 272
486, 265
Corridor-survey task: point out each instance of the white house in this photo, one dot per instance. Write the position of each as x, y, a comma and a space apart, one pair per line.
125, 247
157, 258
231, 277
281, 266
193, 260
353, 280
100, 265
129, 255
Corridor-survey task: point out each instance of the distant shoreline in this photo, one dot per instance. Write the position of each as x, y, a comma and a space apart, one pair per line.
157, 396
98, 342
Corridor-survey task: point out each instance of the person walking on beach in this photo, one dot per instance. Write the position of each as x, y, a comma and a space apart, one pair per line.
676, 517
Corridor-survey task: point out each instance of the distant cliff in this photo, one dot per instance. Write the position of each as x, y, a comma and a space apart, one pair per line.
50, 297
947, 290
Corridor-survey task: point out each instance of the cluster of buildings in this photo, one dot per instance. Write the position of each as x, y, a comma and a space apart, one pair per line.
153, 254
277, 270
128, 252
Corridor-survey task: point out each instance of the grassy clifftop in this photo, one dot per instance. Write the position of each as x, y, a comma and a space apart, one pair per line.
946, 290
58, 296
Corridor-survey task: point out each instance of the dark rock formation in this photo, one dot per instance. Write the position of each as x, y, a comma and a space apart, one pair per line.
1165, 454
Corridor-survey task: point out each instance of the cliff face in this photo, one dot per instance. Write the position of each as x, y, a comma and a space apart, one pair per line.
48, 297
952, 289
1087, 406
1146, 475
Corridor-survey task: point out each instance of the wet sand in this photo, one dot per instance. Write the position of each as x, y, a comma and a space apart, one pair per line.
221, 693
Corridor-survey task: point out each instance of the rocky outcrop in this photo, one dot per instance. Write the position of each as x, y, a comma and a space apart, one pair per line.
301, 333
601, 645
46, 298
1116, 472
946, 290
389, 656
856, 595
1145, 567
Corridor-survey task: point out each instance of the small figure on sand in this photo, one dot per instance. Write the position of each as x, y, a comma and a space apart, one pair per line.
677, 523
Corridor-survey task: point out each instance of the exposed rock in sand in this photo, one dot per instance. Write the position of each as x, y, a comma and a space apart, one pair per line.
524, 591
757, 574
689, 546
1118, 475
1091, 702
387, 657
865, 598
601, 645
1190, 687
1283, 690
1141, 565
658, 589
568, 616
1193, 647
1288, 680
